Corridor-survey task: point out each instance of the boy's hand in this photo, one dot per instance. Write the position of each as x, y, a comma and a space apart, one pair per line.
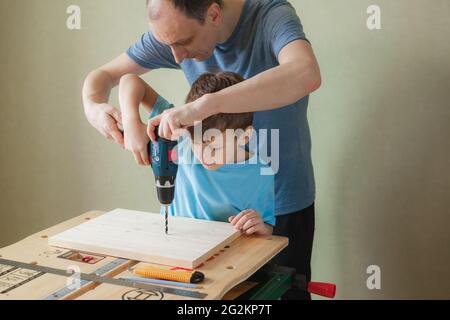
136, 141
250, 222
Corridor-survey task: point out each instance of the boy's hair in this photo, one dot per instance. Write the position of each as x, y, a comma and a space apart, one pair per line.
214, 82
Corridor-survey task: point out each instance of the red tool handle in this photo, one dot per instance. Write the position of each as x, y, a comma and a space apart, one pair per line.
322, 289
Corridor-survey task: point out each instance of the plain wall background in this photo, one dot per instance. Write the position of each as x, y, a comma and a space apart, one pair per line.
380, 126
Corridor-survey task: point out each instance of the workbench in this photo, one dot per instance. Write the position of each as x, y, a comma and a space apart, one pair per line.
226, 272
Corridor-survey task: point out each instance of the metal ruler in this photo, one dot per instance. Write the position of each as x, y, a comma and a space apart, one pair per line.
99, 279
64, 292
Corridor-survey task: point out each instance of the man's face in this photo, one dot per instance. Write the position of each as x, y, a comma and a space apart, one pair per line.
187, 37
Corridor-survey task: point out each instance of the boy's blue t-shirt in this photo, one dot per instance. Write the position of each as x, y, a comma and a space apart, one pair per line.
265, 27
218, 194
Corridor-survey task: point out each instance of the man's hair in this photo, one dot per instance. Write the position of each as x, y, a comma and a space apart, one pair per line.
195, 9
214, 82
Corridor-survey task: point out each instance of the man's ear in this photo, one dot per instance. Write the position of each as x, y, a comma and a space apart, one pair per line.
214, 14
246, 136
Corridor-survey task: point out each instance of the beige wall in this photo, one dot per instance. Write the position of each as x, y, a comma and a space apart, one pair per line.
380, 126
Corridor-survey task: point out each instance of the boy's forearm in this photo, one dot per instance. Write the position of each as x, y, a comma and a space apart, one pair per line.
130, 97
133, 92
272, 89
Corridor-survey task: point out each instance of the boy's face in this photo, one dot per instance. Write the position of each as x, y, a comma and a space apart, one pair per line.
210, 153
219, 148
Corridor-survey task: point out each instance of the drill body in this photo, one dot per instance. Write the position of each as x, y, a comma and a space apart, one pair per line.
163, 160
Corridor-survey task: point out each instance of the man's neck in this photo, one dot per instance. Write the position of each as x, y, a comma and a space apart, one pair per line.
231, 12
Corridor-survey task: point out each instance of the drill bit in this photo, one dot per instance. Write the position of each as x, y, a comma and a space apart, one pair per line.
166, 218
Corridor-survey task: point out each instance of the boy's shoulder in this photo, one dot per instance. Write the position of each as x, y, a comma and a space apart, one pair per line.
160, 106
255, 166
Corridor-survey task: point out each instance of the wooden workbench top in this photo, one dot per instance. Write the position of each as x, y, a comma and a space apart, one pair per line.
227, 268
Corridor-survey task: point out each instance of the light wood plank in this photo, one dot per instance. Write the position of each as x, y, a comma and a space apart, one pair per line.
140, 236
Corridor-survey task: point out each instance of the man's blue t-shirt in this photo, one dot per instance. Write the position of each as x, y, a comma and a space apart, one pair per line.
264, 28
218, 194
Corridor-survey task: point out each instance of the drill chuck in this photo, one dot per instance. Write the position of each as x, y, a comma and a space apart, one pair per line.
165, 189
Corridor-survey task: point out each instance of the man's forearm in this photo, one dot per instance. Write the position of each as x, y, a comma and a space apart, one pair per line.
97, 88
272, 89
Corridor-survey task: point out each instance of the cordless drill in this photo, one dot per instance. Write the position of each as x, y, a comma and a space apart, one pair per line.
163, 157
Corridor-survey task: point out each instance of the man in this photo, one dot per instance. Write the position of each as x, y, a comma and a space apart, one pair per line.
263, 41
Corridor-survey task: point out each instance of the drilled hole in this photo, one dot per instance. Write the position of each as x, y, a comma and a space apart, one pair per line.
44, 237
230, 267
87, 218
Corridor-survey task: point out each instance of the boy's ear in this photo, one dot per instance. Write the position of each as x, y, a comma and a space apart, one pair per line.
246, 136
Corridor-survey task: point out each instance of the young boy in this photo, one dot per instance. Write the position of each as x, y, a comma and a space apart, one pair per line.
217, 179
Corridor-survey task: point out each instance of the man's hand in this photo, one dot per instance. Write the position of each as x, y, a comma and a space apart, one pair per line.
172, 122
96, 90
250, 222
136, 141
105, 118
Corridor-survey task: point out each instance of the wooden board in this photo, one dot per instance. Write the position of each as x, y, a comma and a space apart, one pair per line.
140, 236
